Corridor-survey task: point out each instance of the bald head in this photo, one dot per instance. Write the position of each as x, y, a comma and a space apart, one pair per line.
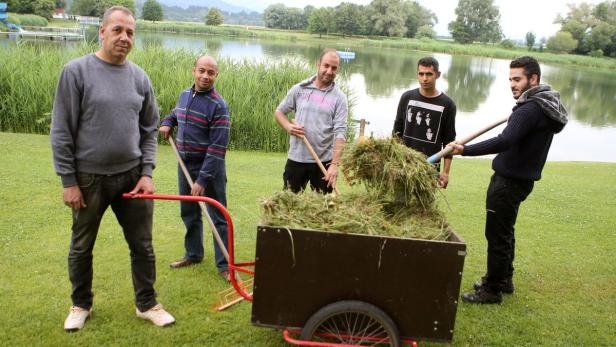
206, 59
205, 72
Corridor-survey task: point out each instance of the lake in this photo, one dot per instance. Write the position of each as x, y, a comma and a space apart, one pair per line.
479, 86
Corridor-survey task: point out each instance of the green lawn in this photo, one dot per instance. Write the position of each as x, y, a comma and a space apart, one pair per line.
565, 269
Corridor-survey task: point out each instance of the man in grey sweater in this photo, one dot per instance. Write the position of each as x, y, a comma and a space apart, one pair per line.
103, 138
321, 111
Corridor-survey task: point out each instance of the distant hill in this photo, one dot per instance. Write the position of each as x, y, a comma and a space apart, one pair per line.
198, 14
219, 4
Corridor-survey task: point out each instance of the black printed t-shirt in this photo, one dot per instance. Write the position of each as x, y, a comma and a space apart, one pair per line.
425, 124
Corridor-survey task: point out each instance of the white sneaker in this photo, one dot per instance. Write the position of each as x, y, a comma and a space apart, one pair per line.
157, 315
76, 318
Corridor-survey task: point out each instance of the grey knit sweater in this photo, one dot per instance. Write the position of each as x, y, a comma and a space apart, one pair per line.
104, 119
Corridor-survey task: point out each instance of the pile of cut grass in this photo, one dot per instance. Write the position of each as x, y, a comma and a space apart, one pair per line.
395, 172
399, 199
357, 212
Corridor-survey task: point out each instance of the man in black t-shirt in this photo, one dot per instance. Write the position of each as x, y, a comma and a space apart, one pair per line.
426, 117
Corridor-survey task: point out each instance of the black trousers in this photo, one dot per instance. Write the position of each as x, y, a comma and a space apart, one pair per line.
297, 175
503, 200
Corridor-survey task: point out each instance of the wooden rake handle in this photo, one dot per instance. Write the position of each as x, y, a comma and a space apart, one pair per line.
204, 211
316, 158
436, 157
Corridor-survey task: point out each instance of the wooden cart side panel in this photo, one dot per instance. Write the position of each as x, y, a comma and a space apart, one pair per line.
416, 282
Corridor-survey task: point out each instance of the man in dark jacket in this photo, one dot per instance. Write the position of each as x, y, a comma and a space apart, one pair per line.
522, 150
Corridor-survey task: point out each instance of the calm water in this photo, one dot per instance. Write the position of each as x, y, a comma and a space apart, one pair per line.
479, 86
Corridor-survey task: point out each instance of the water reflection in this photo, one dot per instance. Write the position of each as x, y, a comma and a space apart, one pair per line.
378, 69
469, 81
587, 94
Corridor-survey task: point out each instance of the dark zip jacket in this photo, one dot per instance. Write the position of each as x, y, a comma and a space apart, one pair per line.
523, 145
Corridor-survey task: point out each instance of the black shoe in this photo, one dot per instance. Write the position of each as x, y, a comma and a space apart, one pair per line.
483, 296
506, 288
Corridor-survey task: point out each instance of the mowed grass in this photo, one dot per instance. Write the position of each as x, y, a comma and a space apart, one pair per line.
565, 269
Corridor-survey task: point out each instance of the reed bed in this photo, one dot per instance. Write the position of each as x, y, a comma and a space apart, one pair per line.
252, 89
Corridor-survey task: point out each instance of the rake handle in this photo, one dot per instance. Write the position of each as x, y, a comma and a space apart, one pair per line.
436, 157
316, 158
204, 211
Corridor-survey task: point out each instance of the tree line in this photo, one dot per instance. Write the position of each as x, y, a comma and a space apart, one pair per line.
400, 18
586, 29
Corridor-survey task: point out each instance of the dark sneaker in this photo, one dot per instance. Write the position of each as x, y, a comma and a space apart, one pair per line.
483, 296
506, 288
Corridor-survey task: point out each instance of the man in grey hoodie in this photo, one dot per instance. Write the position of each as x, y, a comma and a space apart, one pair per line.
522, 150
103, 138
321, 111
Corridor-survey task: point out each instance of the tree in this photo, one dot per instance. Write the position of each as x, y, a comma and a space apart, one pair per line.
273, 15
293, 19
345, 17
60, 3
476, 20
562, 42
418, 16
425, 31
44, 8
579, 23
96, 8
214, 17
530, 40
388, 17
600, 37
321, 21
20, 6
152, 11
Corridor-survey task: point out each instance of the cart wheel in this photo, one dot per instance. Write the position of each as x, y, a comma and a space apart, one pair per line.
352, 322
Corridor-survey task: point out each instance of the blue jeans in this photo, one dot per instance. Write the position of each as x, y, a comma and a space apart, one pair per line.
191, 215
135, 217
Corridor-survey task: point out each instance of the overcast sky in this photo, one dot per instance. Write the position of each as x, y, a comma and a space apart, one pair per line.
517, 17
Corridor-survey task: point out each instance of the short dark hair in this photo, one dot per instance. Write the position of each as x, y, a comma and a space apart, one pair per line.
530, 65
328, 50
428, 61
112, 9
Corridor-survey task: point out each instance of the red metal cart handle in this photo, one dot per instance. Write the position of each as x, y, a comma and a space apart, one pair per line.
232, 265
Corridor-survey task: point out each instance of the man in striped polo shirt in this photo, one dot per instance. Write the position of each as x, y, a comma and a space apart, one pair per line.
202, 119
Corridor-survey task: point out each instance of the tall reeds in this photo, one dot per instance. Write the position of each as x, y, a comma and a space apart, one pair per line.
252, 89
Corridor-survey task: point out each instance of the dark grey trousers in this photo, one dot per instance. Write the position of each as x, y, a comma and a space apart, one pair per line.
135, 217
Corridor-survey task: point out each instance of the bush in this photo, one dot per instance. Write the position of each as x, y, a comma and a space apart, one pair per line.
562, 42
507, 44
14, 18
598, 53
3, 27
29, 20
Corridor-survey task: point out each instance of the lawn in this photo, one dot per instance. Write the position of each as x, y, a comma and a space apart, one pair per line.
565, 269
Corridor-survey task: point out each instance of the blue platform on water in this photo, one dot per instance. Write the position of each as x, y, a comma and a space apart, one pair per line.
346, 54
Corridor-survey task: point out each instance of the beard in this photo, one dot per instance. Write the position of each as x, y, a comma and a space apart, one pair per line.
524, 89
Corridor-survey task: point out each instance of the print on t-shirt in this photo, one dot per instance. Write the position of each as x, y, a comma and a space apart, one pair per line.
423, 121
